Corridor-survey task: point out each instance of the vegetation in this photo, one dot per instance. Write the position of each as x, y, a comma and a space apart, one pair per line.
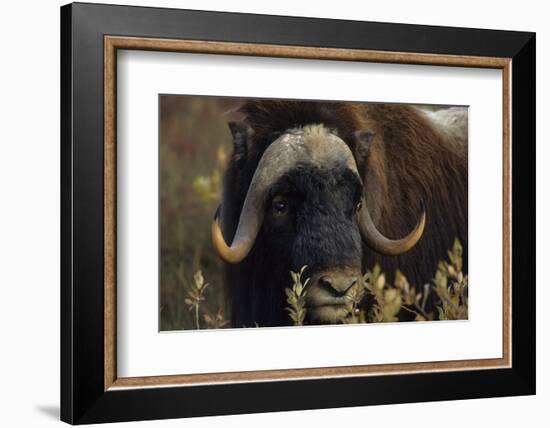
296, 297
449, 284
194, 142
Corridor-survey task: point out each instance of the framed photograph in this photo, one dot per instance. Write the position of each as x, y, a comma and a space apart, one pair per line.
266, 213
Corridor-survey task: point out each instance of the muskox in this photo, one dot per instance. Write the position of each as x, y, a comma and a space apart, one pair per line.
338, 187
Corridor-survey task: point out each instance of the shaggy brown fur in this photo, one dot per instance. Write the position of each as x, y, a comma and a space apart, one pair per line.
409, 162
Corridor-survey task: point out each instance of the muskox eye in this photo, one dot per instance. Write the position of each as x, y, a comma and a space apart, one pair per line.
359, 205
280, 205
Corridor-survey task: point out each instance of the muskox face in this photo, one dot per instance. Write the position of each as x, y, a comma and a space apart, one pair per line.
306, 198
311, 214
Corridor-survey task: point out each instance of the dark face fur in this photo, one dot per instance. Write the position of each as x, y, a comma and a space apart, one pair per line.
302, 208
311, 219
409, 169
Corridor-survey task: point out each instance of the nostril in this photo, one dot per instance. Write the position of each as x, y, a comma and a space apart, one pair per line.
326, 282
350, 286
338, 287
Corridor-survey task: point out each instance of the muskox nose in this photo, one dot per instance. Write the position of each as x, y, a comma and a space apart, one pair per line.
338, 285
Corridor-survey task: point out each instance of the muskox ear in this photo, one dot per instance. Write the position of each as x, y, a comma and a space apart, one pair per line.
363, 141
240, 132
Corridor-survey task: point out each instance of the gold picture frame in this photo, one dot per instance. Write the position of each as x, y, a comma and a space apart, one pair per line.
114, 43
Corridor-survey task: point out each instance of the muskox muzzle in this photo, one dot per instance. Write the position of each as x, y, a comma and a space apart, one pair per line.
310, 145
330, 293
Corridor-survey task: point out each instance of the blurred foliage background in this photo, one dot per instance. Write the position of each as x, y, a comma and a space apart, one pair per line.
195, 143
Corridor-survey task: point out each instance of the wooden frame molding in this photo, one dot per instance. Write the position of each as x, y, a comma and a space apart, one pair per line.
113, 43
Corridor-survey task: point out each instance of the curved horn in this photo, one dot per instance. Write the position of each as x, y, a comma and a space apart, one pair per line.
379, 243
312, 144
249, 225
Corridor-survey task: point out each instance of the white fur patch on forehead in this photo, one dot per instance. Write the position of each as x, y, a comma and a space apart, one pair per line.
310, 132
311, 144
318, 145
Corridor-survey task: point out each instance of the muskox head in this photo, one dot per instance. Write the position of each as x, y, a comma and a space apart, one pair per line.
307, 198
